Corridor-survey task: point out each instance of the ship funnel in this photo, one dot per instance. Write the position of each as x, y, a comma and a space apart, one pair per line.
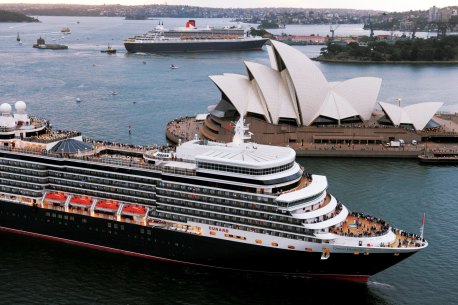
191, 24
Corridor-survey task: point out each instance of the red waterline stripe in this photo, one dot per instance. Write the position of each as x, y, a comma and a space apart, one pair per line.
343, 277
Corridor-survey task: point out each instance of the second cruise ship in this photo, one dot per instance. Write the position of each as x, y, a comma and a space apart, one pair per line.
193, 39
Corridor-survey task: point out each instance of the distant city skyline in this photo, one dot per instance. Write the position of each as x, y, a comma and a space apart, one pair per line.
385, 5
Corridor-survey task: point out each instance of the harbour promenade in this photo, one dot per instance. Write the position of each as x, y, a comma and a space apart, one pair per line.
186, 128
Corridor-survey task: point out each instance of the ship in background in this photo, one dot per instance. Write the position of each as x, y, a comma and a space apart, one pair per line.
235, 206
193, 39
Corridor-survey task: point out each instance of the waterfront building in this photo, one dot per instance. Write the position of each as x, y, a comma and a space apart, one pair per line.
292, 102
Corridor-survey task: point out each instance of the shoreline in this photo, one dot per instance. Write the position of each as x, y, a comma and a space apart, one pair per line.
387, 62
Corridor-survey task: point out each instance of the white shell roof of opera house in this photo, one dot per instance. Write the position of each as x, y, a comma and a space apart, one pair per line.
417, 115
293, 87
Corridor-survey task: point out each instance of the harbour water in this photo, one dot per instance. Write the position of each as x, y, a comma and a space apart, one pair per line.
149, 94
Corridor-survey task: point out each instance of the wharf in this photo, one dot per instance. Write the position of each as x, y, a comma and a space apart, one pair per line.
440, 157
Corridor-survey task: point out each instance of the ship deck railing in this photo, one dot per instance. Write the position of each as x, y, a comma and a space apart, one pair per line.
87, 156
364, 226
359, 225
405, 240
327, 199
303, 183
55, 136
36, 123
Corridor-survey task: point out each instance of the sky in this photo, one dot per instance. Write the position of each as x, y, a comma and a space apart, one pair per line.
385, 5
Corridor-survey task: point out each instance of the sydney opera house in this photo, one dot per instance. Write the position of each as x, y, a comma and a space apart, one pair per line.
291, 101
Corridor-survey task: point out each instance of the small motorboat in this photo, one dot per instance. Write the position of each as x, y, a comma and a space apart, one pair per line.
78, 100
172, 66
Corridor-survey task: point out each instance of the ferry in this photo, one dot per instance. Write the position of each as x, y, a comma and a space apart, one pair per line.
439, 157
193, 39
237, 206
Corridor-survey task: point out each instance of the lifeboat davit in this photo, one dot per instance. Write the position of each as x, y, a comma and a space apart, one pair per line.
81, 201
134, 210
107, 206
56, 197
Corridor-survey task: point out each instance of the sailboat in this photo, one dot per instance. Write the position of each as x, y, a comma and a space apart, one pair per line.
18, 39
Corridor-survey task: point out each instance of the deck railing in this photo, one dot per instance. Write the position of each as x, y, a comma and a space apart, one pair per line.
111, 161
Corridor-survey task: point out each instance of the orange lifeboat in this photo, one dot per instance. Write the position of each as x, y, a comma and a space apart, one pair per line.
107, 206
81, 201
56, 197
134, 210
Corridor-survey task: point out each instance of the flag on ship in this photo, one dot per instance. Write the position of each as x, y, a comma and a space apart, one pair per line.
422, 228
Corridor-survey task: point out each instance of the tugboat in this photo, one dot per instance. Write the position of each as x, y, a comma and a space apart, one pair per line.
109, 50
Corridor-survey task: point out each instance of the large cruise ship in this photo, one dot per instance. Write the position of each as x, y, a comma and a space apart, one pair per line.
236, 206
193, 39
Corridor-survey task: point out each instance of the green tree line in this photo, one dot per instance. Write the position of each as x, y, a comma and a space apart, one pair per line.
431, 49
7, 16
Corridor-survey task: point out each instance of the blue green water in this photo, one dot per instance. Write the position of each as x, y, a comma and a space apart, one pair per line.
149, 95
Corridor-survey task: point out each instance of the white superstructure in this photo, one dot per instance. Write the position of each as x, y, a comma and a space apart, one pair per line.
301, 213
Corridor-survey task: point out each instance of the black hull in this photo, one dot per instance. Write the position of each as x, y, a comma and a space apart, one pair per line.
212, 46
162, 244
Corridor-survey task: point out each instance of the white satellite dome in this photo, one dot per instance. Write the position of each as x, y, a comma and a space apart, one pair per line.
5, 108
20, 106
